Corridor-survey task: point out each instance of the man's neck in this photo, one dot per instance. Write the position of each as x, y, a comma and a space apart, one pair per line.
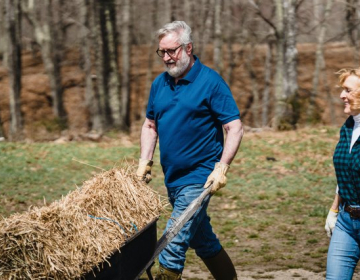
192, 61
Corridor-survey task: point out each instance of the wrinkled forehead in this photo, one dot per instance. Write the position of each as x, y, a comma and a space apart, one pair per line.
168, 41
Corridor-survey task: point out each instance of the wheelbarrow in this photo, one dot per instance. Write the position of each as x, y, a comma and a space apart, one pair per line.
137, 255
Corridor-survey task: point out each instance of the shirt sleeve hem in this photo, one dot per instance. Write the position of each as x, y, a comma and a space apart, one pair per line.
230, 119
150, 117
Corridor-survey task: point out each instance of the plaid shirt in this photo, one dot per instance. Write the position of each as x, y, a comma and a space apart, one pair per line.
347, 165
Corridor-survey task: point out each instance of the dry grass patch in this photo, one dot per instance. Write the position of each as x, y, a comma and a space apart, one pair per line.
69, 237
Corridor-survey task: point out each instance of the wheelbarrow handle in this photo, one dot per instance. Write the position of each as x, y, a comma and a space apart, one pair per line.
178, 224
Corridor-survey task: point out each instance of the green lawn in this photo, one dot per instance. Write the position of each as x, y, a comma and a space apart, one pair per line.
272, 211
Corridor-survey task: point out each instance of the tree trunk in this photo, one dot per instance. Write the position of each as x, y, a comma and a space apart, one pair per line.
266, 92
165, 16
151, 55
209, 16
312, 112
126, 65
3, 41
13, 27
189, 12
286, 87
100, 82
218, 66
113, 74
91, 99
352, 22
198, 24
280, 97
291, 57
255, 91
46, 38
3, 51
52, 61
230, 34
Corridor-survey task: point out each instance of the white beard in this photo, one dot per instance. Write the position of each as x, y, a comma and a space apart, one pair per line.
181, 66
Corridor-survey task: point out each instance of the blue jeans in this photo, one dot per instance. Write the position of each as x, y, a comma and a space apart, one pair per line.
344, 251
196, 233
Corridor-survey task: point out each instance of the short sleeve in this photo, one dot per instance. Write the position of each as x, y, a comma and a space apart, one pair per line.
223, 104
150, 106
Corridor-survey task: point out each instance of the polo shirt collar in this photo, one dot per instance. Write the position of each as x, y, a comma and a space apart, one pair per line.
190, 76
194, 71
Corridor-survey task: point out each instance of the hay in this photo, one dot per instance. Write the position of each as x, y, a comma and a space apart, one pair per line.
73, 235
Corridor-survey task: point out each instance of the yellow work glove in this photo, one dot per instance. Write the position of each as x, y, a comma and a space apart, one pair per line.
217, 177
144, 170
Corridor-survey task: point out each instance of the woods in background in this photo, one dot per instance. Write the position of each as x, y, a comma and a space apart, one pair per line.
116, 36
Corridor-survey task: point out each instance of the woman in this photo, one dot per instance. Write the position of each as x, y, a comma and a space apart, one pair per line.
343, 221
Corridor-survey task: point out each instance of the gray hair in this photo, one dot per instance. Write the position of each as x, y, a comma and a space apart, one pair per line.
180, 28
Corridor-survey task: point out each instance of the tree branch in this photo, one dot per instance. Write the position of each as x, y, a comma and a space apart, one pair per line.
259, 12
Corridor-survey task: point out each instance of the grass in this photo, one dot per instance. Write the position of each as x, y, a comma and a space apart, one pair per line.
270, 215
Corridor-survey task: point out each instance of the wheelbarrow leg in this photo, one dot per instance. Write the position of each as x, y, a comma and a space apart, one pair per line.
148, 271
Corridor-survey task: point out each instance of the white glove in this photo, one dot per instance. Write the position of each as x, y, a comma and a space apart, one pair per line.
330, 222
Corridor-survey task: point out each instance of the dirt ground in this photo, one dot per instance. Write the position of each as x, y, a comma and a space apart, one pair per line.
192, 273
250, 275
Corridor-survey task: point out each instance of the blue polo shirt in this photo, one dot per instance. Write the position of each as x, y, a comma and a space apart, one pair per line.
189, 116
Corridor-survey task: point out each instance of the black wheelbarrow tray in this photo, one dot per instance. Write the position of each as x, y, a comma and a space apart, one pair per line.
134, 254
138, 253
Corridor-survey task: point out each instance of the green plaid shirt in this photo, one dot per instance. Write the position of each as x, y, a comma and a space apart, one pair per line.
347, 165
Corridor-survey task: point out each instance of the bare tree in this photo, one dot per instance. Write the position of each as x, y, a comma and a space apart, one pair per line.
13, 28
100, 84
291, 60
352, 23
205, 35
165, 16
151, 54
125, 73
3, 42
189, 12
111, 62
218, 42
107, 84
255, 105
45, 36
91, 96
319, 63
3, 48
266, 91
285, 114
230, 35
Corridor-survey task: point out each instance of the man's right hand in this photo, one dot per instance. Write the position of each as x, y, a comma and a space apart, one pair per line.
330, 222
144, 170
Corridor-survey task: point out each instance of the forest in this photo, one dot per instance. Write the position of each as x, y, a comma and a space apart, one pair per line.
86, 66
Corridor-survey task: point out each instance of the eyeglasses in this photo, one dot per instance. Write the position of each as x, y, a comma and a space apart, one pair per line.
170, 52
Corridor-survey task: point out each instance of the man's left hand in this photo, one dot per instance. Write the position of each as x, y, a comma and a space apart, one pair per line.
217, 177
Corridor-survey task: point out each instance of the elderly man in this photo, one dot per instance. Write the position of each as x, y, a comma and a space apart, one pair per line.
189, 106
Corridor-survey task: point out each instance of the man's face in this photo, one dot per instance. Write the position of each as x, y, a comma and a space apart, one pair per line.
176, 63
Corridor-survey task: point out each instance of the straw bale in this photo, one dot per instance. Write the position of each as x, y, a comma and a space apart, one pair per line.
70, 237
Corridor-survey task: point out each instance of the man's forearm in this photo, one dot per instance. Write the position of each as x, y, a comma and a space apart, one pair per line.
148, 140
234, 134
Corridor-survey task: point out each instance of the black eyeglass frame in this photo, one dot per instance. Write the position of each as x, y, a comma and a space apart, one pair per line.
158, 51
